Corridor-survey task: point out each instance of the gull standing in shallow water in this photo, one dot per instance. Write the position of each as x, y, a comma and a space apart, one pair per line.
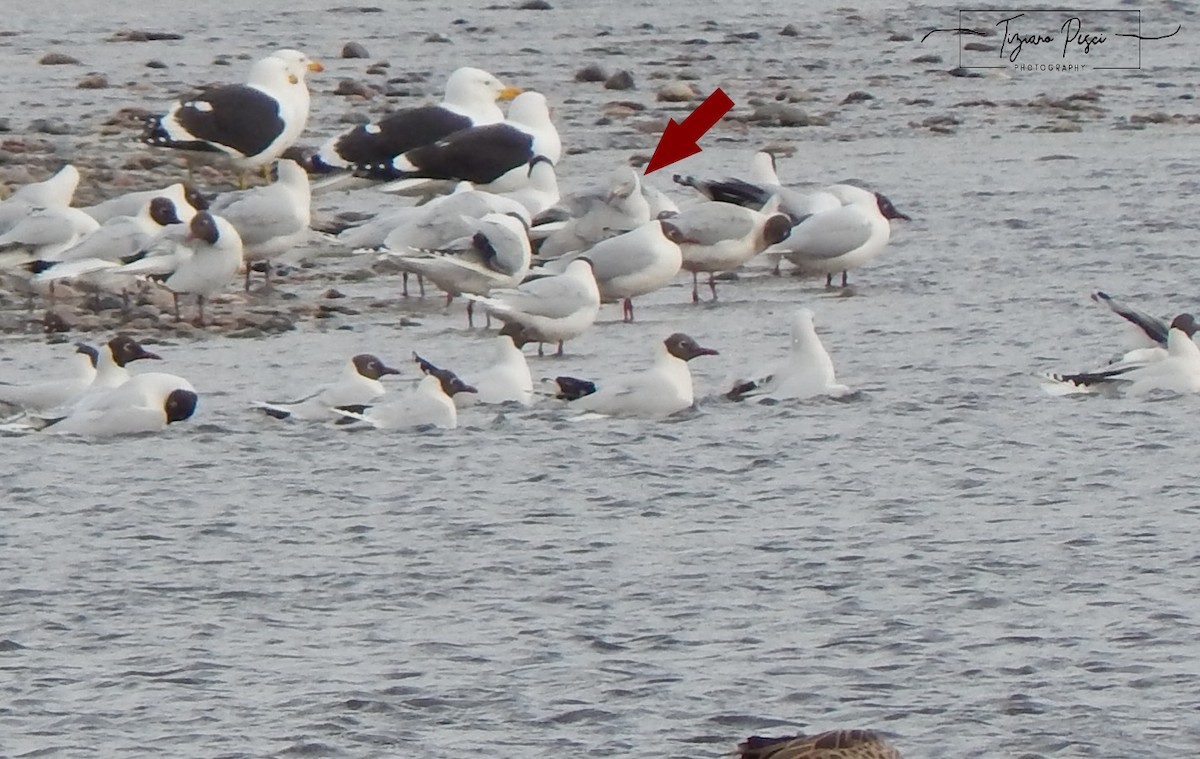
631, 264
664, 389
202, 263
717, 237
842, 239
494, 255
547, 307
270, 220
807, 372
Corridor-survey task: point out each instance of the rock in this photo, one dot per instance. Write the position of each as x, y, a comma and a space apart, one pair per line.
354, 50
53, 321
980, 47
621, 80
900, 37
789, 31
141, 35
965, 73
780, 114
247, 333
352, 87
333, 293
858, 96
278, 323
535, 5
356, 9
93, 81
676, 92
50, 126
155, 63
58, 59
437, 37
354, 117
928, 58
592, 72
145, 312
5, 125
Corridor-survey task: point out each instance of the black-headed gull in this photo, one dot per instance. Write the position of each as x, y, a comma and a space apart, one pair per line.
187, 199
118, 238
806, 373
631, 264
1147, 334
357, 388
42, 234
270, 220
429, 404
1177, 372
61, 391
506, 380
202, 262
718, 237
844, 238
493, 254
145, 403
621, 209
664, 389
470, 100
763, 185
251, 123
494, 157
112, 360
548, 307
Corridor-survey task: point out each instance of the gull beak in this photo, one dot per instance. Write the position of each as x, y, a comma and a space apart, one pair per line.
315, 66
508, 93
388, 370
705, 352
148, 354
468, 389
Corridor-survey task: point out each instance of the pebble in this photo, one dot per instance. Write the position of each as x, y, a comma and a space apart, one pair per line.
789, 31
155, 63
676, 92
858, 96
437, 37
93, 81
965, 73
535, 5
354, 117
621, 80
593, 72
58, 59
928, 58
354, 50
333, 293
900, 37
779, 114
352, 87
5, 125
50, 126
141, 35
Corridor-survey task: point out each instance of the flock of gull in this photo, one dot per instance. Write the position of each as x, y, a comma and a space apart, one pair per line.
486, 223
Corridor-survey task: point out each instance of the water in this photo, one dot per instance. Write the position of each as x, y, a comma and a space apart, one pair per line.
951, 557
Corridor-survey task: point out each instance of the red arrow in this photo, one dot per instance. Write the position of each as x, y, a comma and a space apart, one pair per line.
678, 141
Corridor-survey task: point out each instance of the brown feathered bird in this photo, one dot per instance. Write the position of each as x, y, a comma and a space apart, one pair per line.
835, 744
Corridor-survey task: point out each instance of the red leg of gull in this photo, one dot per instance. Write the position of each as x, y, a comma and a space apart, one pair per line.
559, 352
541, 349
175, 297
844, 284
627, 310
449, 299
404, 284
470, 313
695, 289
421, 285
200, 309
246, 286
828, 280
712, 285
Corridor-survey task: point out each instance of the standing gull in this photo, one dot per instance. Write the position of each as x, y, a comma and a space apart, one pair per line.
547, 307
621, 209
270, 220
716, 237
632, 264
252, 123
494, 256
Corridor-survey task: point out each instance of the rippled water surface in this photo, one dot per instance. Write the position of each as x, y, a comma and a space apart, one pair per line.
952, 557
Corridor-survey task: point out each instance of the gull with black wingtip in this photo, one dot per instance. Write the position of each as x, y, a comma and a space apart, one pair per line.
357, 388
